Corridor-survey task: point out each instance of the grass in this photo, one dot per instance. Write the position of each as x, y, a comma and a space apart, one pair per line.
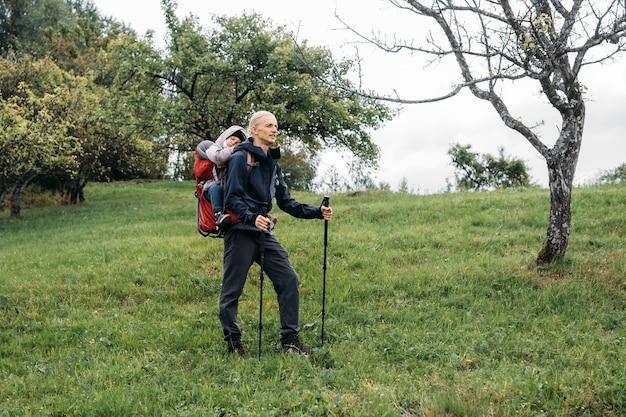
433, 307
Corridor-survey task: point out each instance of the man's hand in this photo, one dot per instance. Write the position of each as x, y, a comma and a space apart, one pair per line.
327, 212
265, 223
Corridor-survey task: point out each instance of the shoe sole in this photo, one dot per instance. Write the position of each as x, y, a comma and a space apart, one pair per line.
226, 221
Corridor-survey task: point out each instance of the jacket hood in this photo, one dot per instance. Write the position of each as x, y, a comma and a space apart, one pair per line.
229, 132
250, 147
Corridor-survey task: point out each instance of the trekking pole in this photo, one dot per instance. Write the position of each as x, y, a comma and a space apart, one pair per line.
261, 294
325, 203
262, 261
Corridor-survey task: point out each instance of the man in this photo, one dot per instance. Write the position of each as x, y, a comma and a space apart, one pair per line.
249, 191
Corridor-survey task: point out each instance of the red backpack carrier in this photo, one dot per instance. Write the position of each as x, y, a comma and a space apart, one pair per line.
204, 169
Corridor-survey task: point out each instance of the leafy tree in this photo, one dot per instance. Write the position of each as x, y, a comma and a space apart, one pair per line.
108, 151
38, 106
299, 168
218, 77
614, 176
385, 186
73, 33
470, 172
36, 26
12, 23
117, 136
116, 129
482, 172
546, 42
132, 106
505, 172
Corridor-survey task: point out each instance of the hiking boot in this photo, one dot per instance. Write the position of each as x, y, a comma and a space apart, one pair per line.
235, 346
223, 219
293, 343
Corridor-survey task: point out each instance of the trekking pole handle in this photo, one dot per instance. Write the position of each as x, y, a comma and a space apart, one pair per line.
326, 203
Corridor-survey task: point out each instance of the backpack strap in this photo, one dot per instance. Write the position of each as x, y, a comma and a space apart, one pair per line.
250, 160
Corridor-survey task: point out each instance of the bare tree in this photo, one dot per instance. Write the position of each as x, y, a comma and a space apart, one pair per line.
548, 42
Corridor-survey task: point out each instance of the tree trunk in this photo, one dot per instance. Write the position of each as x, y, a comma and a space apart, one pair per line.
16, 199
561, 162
5, 197
73, 191
16, 207
557, 235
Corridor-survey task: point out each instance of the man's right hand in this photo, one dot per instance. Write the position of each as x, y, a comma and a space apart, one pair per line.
263, 223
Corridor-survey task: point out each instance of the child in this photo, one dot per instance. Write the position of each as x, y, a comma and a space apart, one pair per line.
219, 153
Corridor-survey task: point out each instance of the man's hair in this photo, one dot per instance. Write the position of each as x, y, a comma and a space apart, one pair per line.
254, 119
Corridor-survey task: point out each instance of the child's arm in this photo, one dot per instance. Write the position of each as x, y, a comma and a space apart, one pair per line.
219, 154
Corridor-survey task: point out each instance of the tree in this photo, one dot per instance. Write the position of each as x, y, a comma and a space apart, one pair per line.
614, 176
332, 181
483, 172
12, 23
360, 172
216, 78
403, 187
470, 172
299, 167
38, 104
72, 32
547, 42
120, 102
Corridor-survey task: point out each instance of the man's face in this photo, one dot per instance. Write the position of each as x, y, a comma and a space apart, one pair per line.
265, 131
232, 141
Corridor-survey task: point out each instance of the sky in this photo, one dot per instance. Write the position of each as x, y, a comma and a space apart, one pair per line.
414, 144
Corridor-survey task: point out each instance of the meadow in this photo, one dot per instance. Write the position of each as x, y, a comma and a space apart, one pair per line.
433, 308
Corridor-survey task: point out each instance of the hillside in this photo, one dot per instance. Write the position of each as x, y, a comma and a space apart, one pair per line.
433, 309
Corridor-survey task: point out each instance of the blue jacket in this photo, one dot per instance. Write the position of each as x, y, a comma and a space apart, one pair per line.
250, 191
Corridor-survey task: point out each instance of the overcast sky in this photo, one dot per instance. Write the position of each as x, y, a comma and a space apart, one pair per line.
414, 144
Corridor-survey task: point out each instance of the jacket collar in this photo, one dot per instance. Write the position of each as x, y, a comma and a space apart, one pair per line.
273, 154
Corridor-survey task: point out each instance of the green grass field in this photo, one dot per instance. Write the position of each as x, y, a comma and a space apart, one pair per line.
434, 308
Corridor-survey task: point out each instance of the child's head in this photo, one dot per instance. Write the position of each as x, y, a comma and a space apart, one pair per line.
238, 136
232, 141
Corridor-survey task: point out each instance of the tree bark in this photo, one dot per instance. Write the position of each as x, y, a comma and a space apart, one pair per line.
557, 235
15, 204
561, 161
16, 198
73, 191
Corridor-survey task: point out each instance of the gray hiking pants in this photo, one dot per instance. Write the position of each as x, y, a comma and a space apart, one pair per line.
241, 249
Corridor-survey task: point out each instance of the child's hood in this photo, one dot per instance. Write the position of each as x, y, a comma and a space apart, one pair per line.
228, 133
